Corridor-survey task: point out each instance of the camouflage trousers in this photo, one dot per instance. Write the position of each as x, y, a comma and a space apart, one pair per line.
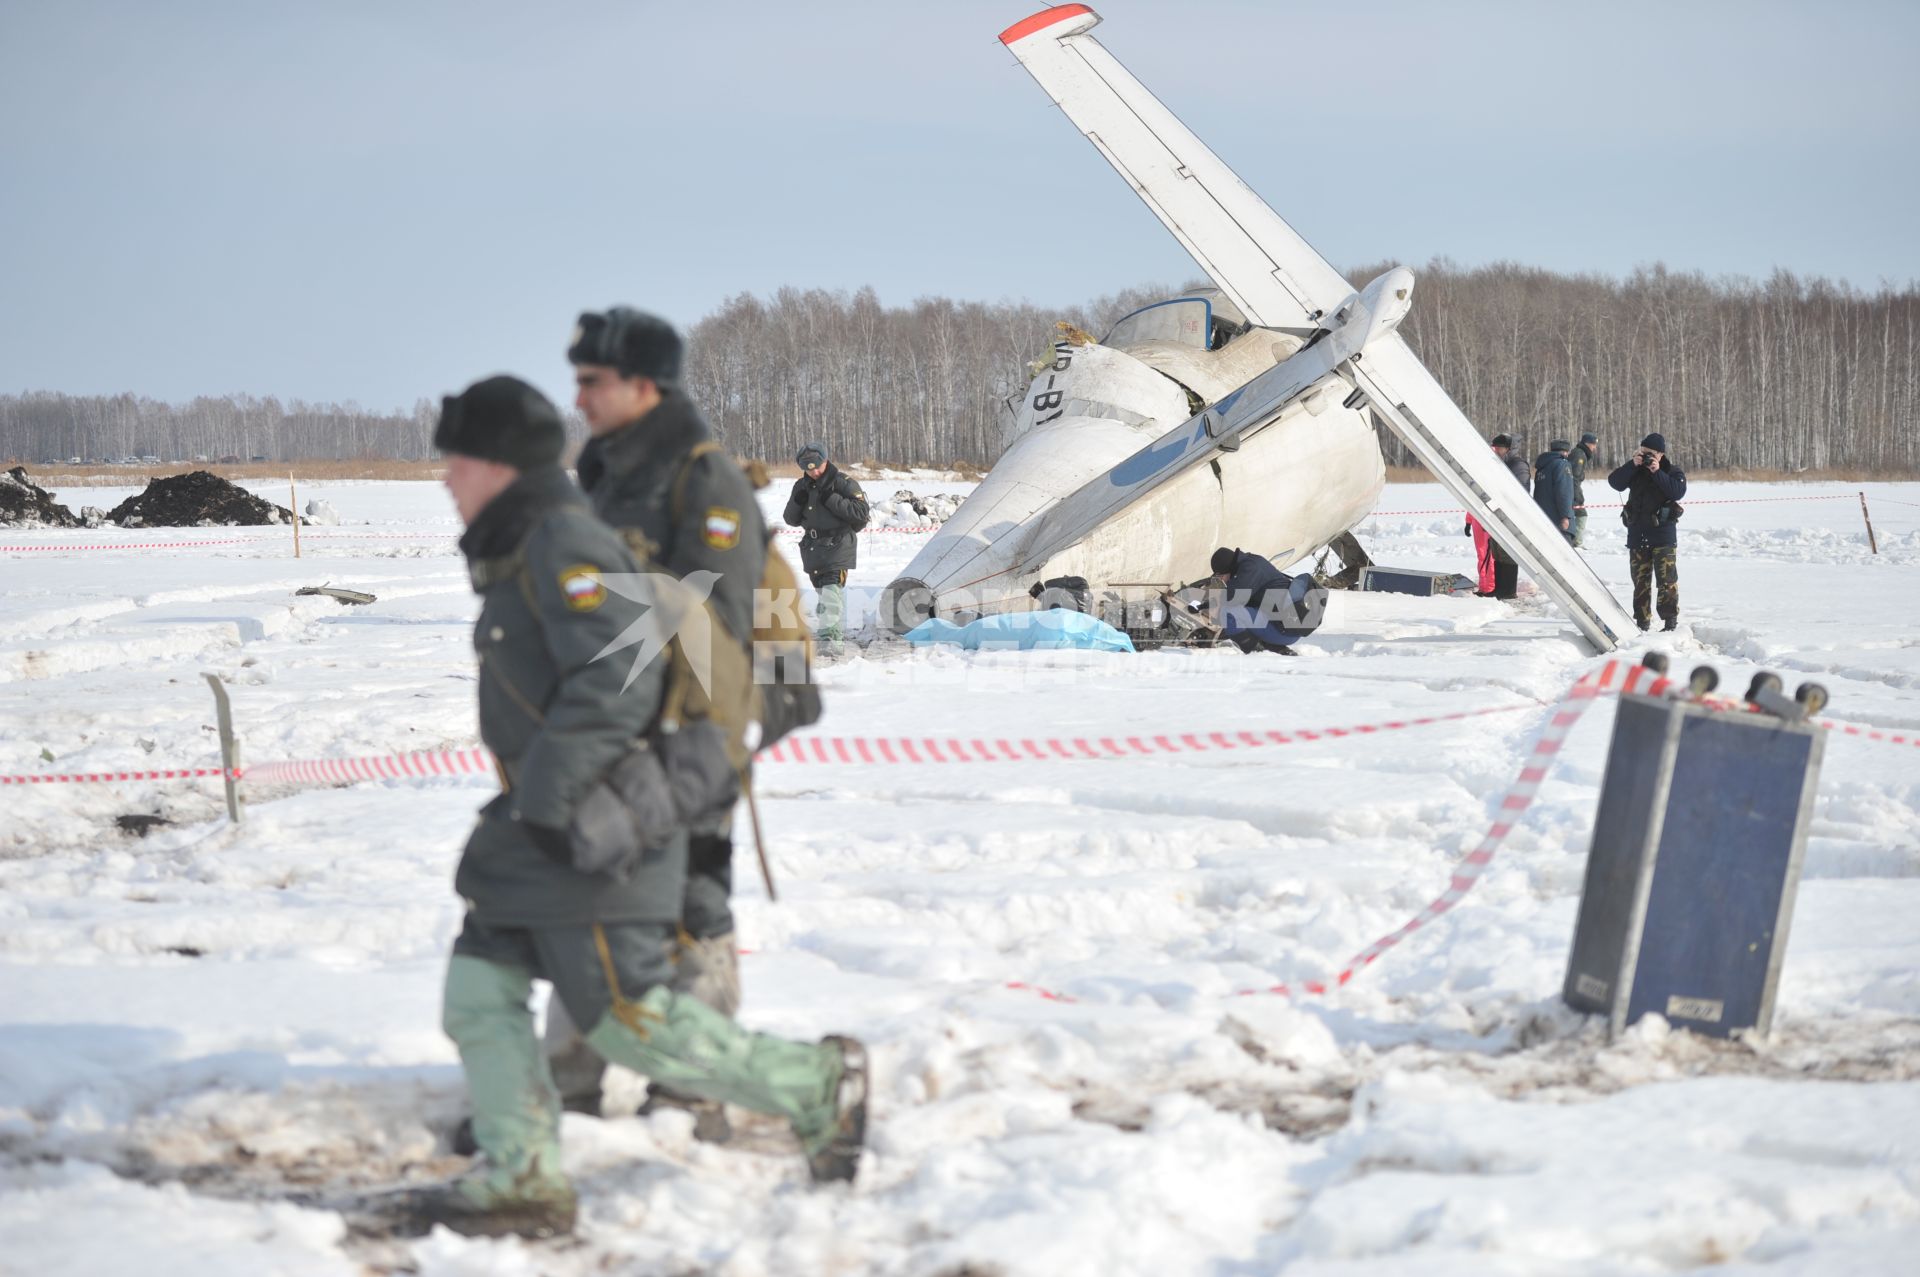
1646, 569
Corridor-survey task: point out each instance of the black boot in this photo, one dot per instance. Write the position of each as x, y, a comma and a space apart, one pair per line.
835, 1153
414, 1212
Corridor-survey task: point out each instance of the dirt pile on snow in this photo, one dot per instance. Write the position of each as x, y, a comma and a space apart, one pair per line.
24, 503
905, 509
197, 500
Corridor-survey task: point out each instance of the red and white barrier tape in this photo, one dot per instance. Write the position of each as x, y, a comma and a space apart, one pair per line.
378, 536
1513, 804
924, 527
416, 766
928, 749
127, 545
852, 750
99, 778
1615, 505
284, 538
1867, 733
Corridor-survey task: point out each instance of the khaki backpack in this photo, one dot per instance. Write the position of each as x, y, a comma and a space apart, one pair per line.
765, 677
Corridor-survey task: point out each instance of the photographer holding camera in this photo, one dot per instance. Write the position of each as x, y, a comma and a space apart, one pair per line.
1654, 486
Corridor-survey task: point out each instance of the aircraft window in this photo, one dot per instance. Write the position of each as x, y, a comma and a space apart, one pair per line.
1186, 321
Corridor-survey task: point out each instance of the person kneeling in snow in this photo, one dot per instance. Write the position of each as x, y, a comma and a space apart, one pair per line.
1262, 608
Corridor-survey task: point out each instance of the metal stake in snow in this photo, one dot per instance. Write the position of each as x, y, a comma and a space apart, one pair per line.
1871, 543
229, 746
293, 508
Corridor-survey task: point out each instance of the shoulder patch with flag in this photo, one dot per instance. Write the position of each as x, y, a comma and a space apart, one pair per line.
582, 588
721, 528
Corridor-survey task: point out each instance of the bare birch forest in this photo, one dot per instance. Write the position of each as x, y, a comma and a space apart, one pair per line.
47, 426
1785, 374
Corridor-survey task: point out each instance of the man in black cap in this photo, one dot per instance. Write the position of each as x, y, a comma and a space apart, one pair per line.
574, 874
1506, 571
830, 509
653, 470
1553, 487
1581, 455
1654, 486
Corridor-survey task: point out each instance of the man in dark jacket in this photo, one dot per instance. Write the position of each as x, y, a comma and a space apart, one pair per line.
565, 878
830, 509
653, 470
1577, 461
1553, 487
1506, 572
1654, 486
1261, 608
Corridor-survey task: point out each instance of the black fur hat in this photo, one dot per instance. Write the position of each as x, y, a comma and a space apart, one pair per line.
1223, 560
636, 343
501, 419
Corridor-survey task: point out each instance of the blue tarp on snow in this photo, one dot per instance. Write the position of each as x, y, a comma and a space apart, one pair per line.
1055, 627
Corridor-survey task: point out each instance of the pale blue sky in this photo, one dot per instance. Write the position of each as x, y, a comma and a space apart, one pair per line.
378, 201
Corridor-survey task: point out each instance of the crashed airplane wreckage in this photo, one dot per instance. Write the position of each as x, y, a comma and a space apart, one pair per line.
1266, 385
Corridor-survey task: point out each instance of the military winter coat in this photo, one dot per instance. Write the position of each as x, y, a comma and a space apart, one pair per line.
629, 476
1522, 473
830, 511
555, 717
1577, 462
1553, 490
1650, 496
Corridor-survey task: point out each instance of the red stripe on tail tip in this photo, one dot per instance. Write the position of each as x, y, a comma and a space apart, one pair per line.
1041, 21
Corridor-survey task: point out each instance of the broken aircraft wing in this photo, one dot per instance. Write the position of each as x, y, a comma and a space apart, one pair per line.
1259, 261
1405, 395
1279, 281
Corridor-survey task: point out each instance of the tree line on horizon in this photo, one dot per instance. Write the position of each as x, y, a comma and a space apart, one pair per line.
1784, 374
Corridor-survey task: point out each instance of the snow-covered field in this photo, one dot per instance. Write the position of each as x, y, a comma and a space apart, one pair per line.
200, 1027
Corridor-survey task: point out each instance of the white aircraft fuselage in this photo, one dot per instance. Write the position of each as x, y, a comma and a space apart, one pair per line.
1110, 475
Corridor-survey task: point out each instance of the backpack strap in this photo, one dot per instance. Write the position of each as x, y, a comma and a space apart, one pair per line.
677, 502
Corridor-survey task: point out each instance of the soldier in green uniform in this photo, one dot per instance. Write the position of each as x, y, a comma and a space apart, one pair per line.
653, 471
1577, 461
575, 873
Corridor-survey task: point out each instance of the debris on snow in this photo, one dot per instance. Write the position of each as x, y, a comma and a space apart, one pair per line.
906, 509
338, 592
24, 503
200, 499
